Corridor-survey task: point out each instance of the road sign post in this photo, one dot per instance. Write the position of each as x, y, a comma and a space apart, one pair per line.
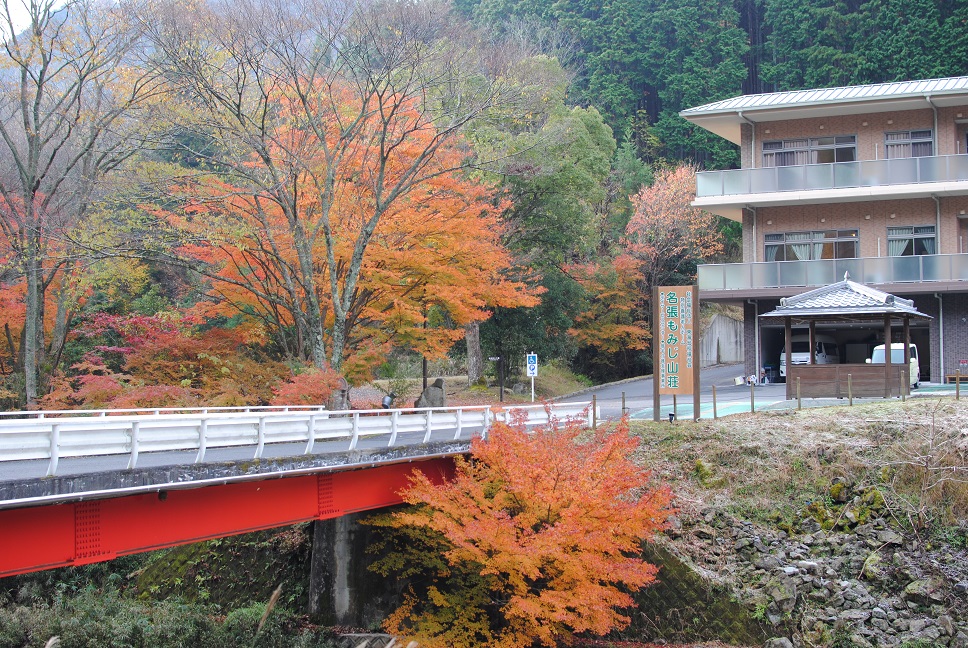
532, 362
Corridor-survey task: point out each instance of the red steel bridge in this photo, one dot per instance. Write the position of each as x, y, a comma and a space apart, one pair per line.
78, 487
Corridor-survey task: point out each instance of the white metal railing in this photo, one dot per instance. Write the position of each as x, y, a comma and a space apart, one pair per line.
52, 439
822, 272
834, 175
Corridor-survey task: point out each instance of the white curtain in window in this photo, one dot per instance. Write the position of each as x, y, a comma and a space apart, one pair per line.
800, 250
928, 245
771, 251
895, 247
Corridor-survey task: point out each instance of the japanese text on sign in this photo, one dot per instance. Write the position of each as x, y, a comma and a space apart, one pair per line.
674, 362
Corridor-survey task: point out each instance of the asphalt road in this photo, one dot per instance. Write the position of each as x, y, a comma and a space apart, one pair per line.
638, 395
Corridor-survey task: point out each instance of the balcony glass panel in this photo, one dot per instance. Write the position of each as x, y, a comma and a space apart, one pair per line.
874, 270
793, 273
902, 171
932, 169
819, 176
735, 182
846, 174
957, 167
820, 273
959, 267
737, 275
709, 183
873, 173
855, 267
807, 274
762, 180
936, 267
866, 173
765, 275
789, 178
906, 268
710, 277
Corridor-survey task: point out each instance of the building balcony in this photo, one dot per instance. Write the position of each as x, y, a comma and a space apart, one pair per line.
901, 274
725, 192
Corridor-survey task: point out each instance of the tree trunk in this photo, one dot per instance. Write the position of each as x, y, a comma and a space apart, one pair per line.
475, 359
32, 325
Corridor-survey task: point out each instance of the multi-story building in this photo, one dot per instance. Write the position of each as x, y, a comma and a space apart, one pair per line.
870, 180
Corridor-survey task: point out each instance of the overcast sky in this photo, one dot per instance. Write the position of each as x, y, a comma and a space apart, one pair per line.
20, 13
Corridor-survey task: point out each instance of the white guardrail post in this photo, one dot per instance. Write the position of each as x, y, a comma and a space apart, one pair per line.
261, 438
202, 440
394, 425
311, 434
54, 443
133, 460
460, 424
356, 430
429, 429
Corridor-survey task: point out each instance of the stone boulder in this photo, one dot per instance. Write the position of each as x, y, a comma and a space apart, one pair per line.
432, 396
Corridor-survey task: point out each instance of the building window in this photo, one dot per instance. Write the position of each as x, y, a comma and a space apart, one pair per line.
908, 241
906, 144
813, 150
809, 246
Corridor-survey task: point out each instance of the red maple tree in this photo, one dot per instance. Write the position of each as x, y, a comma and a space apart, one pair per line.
537, 537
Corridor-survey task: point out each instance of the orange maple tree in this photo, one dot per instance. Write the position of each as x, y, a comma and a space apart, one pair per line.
611, 323
537, 537
376, 273
329, 123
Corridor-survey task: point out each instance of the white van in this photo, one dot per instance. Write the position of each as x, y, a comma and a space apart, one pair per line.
897, 358
826, 351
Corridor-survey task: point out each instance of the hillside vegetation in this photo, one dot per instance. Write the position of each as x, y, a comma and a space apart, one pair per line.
839, 526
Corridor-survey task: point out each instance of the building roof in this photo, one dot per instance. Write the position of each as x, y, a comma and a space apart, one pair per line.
725, 117
844, 301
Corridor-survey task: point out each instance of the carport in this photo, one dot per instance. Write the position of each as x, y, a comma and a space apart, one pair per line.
847, 302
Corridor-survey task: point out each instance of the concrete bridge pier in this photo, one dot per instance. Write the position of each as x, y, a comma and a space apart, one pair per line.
342, 591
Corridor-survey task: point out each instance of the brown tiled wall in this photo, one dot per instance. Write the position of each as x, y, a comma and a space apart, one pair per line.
870, 219
869, 129
749, 337
928, 305
955, 306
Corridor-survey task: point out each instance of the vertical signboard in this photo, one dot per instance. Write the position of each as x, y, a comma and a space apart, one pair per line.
675, 344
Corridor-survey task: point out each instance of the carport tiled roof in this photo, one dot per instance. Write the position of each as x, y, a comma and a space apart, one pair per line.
844, 300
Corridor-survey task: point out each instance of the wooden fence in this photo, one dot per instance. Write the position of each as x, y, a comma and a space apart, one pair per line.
848, 380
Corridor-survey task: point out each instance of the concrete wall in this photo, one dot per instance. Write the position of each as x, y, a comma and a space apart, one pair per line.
722, 342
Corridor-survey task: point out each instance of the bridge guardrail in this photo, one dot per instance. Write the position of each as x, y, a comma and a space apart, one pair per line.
52, 439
